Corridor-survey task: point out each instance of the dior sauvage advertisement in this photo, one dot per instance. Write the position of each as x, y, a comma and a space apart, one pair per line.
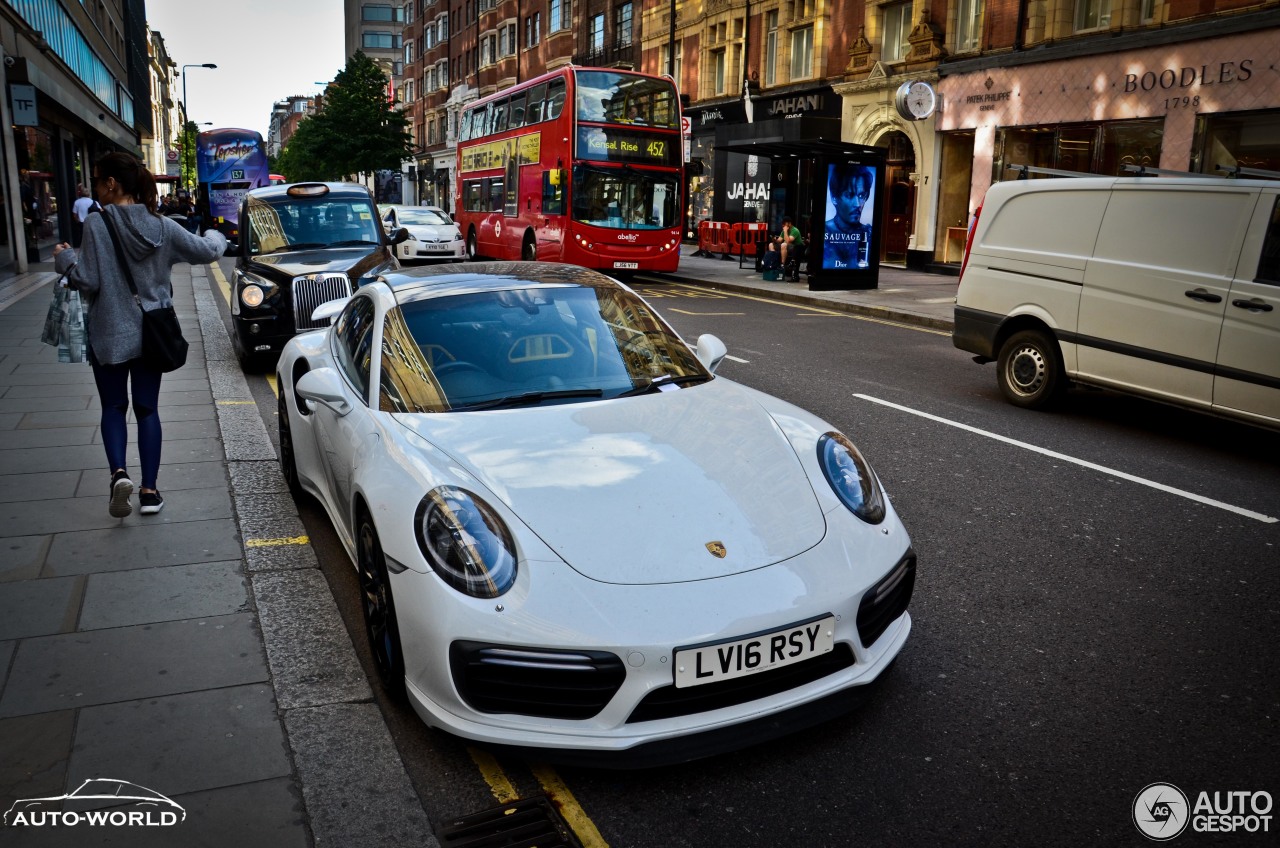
848, 223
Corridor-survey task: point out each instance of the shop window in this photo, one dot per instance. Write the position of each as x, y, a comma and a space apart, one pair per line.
1092, 14
968, 25
802, 52
771, 48
897, 26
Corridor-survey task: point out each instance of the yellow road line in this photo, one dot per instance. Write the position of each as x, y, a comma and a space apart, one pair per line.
271, 381
272, 543
235, 402
568, 805
222, 282
493, 774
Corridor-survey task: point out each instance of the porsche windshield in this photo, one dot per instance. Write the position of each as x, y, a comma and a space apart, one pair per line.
526, 347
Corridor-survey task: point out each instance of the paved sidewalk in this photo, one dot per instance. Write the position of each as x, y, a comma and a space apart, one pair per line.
199, 652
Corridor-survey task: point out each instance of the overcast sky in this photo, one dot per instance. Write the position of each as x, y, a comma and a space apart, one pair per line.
265, 51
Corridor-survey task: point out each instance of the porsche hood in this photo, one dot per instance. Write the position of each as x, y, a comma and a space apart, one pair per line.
668, 487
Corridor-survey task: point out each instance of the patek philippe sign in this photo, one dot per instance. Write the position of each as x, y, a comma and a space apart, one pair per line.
22, 99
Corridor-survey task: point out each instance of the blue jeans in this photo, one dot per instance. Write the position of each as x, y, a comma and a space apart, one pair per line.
113, 390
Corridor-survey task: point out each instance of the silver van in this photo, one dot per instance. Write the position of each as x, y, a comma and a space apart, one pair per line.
1162, 287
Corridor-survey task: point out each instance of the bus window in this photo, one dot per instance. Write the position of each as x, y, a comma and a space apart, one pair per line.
533, 113
553, 192
464, 127
495, 194
555, 100
471, 201
498, 116
516, 119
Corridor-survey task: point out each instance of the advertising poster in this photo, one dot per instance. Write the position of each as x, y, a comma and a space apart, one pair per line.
849, 220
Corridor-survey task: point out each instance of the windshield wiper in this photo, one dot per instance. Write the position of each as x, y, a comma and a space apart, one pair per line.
656, 384
306, 245
351, 243
531, 398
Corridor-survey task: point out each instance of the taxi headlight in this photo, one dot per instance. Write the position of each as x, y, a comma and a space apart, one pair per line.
465, 542
251, 296
851, 477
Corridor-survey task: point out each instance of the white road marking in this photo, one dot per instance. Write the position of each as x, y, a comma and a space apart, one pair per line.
736, 359
1257, 516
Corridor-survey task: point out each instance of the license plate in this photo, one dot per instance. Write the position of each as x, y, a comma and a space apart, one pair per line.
754, 654
627, 266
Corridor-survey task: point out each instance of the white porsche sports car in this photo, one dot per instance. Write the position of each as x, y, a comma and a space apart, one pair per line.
571, 535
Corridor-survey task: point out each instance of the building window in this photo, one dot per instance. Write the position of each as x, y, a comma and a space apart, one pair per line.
802, 53
381, 40
801, 9
667, 61
897, 26
443, 35
429, 37
431, 132
488, 49
622, 24
408, 91
407, 14
408, 53
596, 36
504, 42
386, 14
771, 48
717, 65
1148, 11
533, 30
561, 15
444, 73
968, 24
1093, 14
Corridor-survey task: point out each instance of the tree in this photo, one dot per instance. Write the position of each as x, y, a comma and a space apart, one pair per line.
187, 163
355, 132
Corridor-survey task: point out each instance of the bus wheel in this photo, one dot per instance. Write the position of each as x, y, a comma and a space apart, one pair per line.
471, 246
529, 253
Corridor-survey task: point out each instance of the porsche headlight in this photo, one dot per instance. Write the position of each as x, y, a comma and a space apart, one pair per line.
851, 477
465, 542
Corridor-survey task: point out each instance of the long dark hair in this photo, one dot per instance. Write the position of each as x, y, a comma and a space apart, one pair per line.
132, 176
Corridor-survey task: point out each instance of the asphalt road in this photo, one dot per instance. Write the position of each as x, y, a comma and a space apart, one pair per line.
1078, 632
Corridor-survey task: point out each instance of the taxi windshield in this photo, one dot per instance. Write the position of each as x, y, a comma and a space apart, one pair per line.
280, 224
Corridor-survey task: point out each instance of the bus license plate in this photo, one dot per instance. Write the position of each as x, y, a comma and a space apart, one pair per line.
754, 654
627, 266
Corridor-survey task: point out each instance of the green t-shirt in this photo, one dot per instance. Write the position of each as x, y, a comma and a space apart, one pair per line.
794, 232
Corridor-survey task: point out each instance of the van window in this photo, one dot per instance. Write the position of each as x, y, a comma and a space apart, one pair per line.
1269, 262
1193, 231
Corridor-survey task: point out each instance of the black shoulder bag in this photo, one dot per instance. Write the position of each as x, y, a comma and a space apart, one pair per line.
163, 347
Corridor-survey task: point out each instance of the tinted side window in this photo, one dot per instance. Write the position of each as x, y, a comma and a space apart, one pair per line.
353, 343
1269, 262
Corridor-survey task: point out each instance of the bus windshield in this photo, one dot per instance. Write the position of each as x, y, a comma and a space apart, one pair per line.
626, 198
607, 97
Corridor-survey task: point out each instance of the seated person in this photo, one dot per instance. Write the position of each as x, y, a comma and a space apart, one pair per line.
790, 242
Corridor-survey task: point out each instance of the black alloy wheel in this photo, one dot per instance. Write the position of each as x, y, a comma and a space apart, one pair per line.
472, 247
381, 627
1030, 370
288, 462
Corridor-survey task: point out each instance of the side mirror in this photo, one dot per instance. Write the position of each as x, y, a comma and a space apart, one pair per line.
329, 310
710, 351
233, 248
400, 234
324, 386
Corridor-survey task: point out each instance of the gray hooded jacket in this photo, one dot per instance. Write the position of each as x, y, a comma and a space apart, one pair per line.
152, 245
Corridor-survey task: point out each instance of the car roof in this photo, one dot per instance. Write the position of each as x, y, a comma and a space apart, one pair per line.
425, 282
346, 191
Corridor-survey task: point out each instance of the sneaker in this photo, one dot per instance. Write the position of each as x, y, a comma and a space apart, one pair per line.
151, 502
121, 491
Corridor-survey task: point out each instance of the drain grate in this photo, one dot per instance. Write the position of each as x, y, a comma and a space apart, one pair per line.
527, 823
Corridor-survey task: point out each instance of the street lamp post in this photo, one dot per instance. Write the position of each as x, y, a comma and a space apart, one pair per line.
186, 113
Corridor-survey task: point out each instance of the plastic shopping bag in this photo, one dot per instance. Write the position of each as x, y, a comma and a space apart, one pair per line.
64, 324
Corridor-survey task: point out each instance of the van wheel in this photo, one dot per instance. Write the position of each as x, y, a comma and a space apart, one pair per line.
1030, 370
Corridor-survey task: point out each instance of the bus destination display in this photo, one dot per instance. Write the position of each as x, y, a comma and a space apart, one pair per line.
613, 144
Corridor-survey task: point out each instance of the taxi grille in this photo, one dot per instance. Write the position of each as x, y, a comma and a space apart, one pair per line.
670, 702
887, 600
541, 683
310, 292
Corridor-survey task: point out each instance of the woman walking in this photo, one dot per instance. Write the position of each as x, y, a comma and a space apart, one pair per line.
151, 245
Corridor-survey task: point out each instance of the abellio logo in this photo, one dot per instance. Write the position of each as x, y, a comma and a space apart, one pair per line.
1160, 811
101, 802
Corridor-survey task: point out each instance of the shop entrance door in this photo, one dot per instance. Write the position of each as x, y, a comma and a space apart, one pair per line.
900, 197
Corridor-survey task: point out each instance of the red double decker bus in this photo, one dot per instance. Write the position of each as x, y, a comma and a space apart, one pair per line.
580, 165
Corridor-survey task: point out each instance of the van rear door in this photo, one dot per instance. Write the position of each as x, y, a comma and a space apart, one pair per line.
1156, 288
1248, 375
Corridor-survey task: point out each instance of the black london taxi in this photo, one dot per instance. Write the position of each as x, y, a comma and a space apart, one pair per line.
301, 245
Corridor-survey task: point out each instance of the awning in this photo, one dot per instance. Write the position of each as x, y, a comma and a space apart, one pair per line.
804, 137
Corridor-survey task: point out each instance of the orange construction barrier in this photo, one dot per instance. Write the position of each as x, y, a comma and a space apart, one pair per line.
751, 239
713, 237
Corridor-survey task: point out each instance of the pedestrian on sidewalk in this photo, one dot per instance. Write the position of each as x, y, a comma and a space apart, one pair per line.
79, 211
151, 245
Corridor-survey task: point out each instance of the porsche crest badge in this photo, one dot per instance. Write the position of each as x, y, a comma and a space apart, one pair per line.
717, 549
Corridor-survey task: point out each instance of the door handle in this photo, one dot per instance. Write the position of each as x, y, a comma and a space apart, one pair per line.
1254, 305
1204, 296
